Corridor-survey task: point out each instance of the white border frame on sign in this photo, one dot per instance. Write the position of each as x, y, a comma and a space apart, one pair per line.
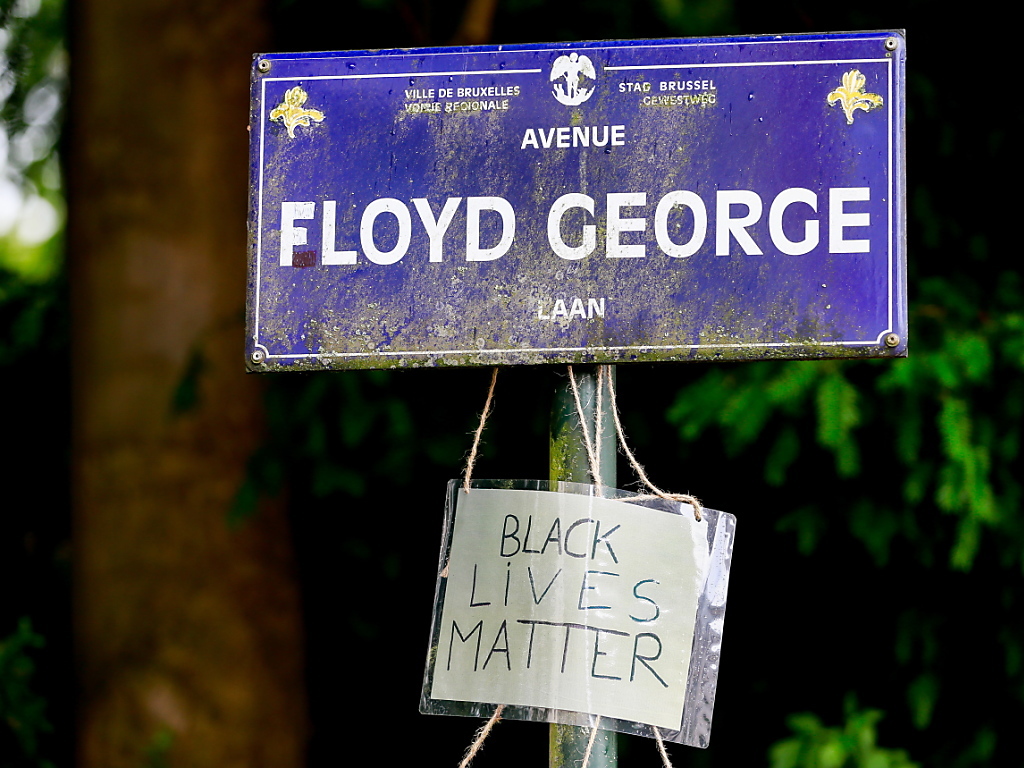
640, 348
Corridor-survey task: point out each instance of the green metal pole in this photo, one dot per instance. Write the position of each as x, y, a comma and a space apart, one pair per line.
567, 743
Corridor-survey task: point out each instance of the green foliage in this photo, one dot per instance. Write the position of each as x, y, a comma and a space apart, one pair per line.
741, 402
808, 525
853, 745
22, 710
945, 410
922, 695
696, 18
32, 331
33, 338
343, 434
912, 465
917, 461
32, 84
27, 312
186, 393
159, 750
837, 416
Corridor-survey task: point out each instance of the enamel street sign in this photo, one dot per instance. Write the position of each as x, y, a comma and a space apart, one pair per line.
716, 199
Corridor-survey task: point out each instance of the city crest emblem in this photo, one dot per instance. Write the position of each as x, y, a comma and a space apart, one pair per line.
574, 78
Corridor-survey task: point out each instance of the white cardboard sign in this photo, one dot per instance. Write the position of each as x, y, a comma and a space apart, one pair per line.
561, 601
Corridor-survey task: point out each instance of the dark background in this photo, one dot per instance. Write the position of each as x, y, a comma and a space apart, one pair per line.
880, 543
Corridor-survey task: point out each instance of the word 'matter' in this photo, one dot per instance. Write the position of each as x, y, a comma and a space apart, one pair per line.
573, 223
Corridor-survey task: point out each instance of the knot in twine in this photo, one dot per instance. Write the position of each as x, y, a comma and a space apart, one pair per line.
604, 378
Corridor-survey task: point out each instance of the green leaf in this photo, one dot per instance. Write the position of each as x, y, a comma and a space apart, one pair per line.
852, 745
876, 526
922, 695
808, 524
968, 539
781, 456
838, 414
22, 710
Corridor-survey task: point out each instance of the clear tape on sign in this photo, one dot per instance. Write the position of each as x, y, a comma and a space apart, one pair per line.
570, 603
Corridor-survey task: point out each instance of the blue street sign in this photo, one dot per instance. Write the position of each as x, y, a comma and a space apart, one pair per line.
715, 199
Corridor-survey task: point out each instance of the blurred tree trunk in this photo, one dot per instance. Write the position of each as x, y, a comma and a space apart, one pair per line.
188, 631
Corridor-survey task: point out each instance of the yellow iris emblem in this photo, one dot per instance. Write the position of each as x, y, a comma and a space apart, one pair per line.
291, 112
851, 95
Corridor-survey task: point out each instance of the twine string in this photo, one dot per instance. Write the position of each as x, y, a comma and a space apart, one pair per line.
590, 742
661, 748
588, 444
656, 492
481, 735
604, 378
603, 372
485, 729
471, 460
